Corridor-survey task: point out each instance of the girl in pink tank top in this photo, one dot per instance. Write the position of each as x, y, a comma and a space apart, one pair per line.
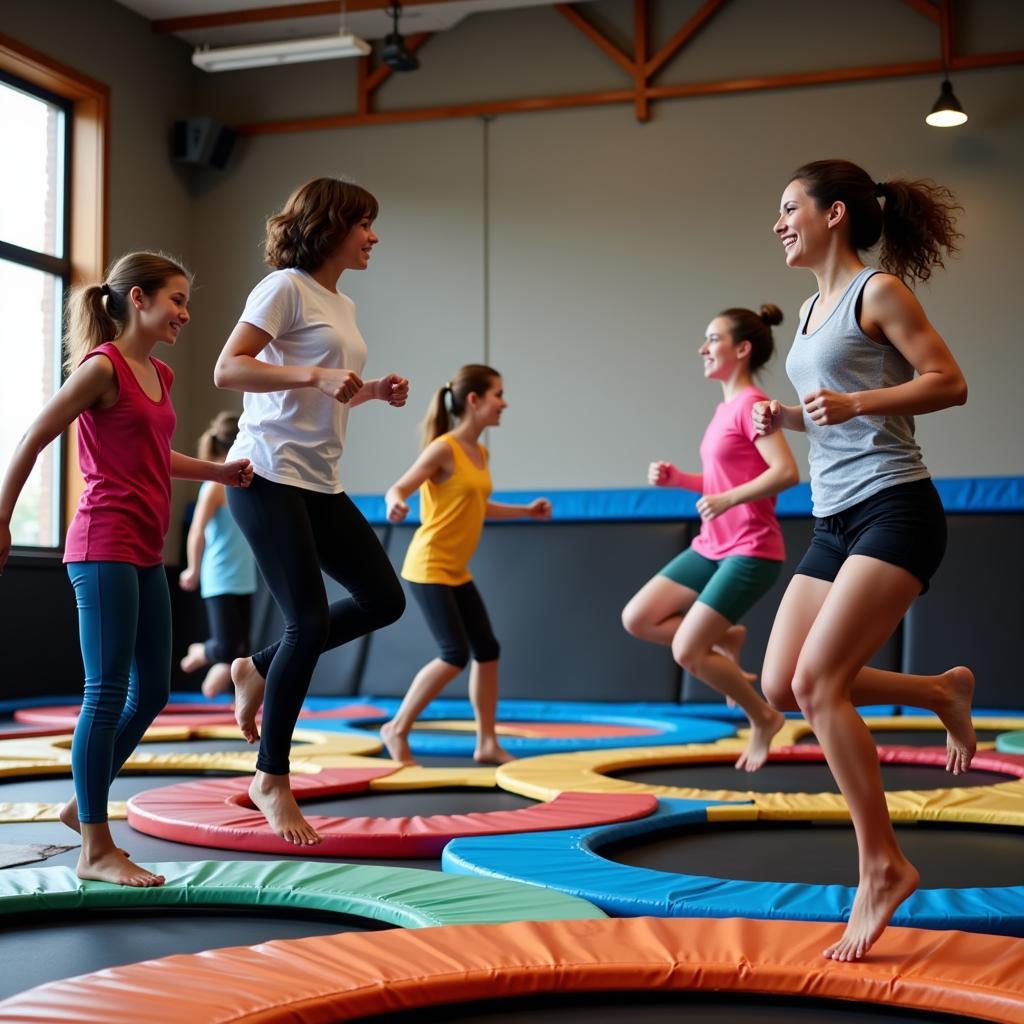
120, 396
695, 603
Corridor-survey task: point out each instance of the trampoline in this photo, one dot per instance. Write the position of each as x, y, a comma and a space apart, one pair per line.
348, 977
1000, 801
575, 862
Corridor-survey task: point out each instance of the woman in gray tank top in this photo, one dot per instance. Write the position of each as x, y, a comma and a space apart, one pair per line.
865, 362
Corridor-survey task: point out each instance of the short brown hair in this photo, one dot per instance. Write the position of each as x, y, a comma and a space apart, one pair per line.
315, 221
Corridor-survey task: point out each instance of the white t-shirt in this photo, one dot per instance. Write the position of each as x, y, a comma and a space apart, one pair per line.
296, 436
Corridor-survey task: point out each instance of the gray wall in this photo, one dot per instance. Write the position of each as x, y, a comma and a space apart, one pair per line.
580, 252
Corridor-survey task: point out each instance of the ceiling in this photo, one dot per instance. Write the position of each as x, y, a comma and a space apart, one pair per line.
417, 16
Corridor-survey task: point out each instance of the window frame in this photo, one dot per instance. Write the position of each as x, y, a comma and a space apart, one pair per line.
58, 266
86, 103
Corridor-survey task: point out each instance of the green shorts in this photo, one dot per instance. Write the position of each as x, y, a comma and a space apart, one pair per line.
731, 587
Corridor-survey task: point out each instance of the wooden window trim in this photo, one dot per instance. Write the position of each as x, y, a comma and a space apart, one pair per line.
89, 186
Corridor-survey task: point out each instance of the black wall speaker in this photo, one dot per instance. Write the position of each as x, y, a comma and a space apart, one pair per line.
202, 141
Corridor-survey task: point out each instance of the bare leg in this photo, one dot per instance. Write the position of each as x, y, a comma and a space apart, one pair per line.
483, 694
68, 815
196, 658
428, 683
249, 690
861, 609
217, 681
273, 796
101, 860
694, 649
948, 694
729, 647
655, 612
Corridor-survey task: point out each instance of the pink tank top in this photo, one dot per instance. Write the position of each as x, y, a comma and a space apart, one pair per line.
729, 457
124, 453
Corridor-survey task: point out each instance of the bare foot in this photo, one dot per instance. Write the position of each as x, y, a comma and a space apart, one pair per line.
68, 814
761, 735
273, 796
492, 753
217, 681
961, 741
249, 687
114, 866
397, 743
876, 901
196, 658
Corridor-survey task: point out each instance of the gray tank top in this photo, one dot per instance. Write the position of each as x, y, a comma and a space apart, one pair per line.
852, 461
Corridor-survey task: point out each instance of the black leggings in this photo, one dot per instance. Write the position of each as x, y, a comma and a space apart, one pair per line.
294, 533
229, 616
458, 619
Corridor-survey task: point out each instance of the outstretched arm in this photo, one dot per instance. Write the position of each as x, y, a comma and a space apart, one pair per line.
237, 473
435, 462
210, 500
91, 384
539, 508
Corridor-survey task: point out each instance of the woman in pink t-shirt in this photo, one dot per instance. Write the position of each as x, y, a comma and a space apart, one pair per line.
695, 603
120, 396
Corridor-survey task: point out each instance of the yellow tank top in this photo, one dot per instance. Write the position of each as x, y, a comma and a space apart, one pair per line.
452, 517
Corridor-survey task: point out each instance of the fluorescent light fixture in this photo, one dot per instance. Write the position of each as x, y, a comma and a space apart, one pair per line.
947, 112
289, 51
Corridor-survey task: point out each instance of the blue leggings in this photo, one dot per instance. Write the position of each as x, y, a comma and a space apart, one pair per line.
124, 624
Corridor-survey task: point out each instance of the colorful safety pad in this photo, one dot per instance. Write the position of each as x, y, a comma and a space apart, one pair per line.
1001, 803
623, 726
218, 812
334, 978
406, 897
571, 862
1011, 743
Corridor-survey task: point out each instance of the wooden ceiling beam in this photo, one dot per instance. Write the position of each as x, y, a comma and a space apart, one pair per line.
282, 12
598, 38
925, 7
721, 87
382, 72
641, 104
684, 35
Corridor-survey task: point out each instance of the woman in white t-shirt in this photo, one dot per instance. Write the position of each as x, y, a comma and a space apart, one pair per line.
298, 355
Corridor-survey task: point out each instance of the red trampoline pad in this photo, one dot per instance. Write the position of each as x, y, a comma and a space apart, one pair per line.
218, 813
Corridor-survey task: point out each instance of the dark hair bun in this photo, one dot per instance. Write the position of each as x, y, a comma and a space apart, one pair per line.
771, 315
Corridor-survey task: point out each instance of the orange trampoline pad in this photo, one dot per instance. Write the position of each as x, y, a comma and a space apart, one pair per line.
344, 977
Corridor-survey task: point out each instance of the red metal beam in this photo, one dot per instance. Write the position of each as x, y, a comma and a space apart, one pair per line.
722, 87
255, 15
598, 38
684, 35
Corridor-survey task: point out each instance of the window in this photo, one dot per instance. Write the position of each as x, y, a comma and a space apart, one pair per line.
35, 273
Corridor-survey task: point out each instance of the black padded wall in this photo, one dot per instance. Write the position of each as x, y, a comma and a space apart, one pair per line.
972, 613
555, 593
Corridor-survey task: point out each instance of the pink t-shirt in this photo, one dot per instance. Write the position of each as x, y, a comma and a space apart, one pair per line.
729, 459
124, 453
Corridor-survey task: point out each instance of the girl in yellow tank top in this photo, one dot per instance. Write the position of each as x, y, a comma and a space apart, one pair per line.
454, 481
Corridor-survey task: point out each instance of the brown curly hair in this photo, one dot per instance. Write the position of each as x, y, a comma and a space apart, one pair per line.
917, 224
315, 221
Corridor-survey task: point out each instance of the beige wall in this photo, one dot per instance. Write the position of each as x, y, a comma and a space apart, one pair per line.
583, 253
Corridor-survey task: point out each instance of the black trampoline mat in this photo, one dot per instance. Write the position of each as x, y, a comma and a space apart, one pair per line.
422, 802
914, 737
799, 777
679, 1007
38, 948
825, 853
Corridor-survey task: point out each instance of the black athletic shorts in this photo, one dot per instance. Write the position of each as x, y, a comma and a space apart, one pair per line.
903, 525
